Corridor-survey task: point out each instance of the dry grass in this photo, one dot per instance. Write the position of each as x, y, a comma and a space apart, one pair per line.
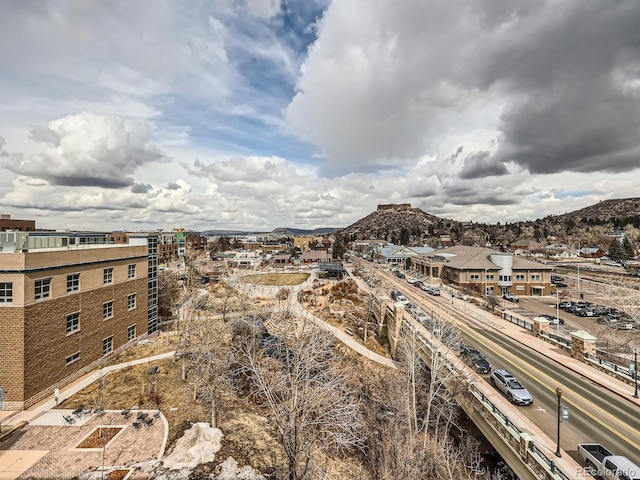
146, 348
276, 279
248, 436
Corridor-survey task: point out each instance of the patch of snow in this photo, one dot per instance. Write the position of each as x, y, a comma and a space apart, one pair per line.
198, 445
229, 470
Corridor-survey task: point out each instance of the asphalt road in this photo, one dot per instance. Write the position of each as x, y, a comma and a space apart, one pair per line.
596, 415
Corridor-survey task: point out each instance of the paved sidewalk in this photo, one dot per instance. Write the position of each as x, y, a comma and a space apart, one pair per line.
550, 351
15, 417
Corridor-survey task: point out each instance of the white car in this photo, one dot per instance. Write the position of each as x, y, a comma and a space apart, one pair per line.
511, 297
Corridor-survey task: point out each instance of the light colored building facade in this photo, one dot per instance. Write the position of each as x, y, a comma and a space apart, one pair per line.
67, 301
486, 271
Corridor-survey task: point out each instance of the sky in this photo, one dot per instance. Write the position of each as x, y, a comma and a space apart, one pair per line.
258, 114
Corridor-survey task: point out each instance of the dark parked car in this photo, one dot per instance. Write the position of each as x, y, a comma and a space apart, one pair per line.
474, 358
511, 387
560, 285
553, 320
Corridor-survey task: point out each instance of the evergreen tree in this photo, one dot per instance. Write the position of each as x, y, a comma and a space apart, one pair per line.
616, 252
628, 248
338, 248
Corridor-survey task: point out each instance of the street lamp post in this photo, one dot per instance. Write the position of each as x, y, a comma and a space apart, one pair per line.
635, 371
557, 309
579, 248
559, 395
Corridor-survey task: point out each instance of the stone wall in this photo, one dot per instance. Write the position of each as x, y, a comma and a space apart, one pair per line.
394, 206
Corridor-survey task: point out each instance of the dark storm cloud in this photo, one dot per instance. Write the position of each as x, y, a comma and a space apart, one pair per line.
422, 191
87, 181
471, 194
141, 188
480, 164
572, 75
173, 186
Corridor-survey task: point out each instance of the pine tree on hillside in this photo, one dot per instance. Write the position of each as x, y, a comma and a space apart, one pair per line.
616, 252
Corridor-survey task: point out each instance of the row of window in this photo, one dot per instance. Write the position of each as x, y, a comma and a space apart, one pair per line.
73, 319
107, 345
42, 288
520, 277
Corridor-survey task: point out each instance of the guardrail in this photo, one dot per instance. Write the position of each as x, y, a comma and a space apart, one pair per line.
559, 340
613, 369
519, 321
513, 436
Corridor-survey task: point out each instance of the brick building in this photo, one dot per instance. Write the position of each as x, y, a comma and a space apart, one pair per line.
66, 302
6, 223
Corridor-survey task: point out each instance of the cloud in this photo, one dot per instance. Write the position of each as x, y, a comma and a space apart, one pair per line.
3, 152
560, 81
263, 8
140, 188
480, 164
90, 150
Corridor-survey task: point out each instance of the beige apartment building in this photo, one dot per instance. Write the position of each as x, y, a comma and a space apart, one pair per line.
486, 271
67, 301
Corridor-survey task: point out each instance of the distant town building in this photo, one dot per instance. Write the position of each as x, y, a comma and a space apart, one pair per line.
6, 223
486, 271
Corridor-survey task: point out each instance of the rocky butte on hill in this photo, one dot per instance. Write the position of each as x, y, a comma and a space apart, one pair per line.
393, 219
605, 211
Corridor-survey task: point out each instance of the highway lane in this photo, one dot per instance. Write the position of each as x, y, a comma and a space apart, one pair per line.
596, 415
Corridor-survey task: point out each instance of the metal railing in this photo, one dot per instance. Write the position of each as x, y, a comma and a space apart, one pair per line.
622, 371
519, 321
559, 339
514, 438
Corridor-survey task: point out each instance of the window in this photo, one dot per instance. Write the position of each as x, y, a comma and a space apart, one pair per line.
535, 277
107, 310
131, 333
489, 276
73, 322
43, 288
107, 276
74, 357
475, 277
73, 282
519, 277
132, 271
131, 301
504, 278
107, 345
6, 292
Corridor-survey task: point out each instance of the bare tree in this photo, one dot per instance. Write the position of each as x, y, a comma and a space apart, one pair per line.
492, 302
300, 378
211, 361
